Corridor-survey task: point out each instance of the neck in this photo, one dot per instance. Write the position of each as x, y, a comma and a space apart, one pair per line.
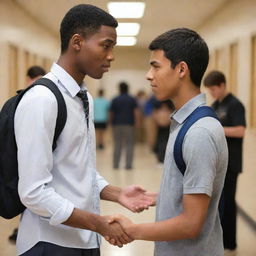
223, 96
185, 95
66, 62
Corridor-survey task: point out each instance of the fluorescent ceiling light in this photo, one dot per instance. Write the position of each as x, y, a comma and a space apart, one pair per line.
128, 29
126, 9
126, 40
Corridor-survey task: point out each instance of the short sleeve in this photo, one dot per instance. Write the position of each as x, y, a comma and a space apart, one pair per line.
200, 156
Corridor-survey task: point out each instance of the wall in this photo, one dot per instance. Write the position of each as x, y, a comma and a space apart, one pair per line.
234, 23
19, 29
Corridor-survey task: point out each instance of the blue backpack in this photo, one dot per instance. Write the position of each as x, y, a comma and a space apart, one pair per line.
197, 114
10, 204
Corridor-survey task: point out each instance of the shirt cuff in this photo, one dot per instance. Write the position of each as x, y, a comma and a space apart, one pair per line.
102, 183
62, 214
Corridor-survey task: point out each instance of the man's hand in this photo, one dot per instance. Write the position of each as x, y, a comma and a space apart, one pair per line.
113, 231
136, 198
126, 224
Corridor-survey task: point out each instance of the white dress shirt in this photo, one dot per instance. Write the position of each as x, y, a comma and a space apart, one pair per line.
51, 184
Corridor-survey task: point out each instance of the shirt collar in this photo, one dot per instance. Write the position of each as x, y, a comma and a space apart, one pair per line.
181, 115
66, 80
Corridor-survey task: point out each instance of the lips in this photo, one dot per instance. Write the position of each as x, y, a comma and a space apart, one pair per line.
106, 66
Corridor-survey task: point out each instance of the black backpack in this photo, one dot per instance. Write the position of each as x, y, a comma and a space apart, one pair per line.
10, 204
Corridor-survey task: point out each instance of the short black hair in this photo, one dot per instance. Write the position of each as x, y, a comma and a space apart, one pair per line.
123, 87
183, 44
213, 78
83, 19
35, 71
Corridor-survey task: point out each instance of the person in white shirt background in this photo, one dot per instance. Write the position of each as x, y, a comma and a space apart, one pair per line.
62, 189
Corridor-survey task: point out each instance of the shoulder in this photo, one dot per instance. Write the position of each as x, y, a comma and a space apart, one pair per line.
36, 97
205, 130
235, 102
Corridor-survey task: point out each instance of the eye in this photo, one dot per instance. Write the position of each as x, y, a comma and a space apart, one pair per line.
106, 46
155, 67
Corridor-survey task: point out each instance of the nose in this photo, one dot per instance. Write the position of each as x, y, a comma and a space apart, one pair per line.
149, 75
110, 55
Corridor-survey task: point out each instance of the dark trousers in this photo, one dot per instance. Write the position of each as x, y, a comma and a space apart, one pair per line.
48, 249
228, 220
123, 138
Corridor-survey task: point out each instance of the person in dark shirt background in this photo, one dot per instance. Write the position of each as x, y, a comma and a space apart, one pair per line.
162, 116
231, 113
124, 115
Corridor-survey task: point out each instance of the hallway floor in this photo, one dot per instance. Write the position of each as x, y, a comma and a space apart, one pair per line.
147, 173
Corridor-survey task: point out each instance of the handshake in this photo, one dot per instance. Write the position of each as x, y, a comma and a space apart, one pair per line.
124, 230
119, 230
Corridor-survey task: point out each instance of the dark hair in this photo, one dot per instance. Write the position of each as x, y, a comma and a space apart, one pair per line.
186, 45
214, 78
35, 71
83, 19
123, 87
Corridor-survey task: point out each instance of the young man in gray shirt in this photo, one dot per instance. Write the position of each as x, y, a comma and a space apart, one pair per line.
187, 218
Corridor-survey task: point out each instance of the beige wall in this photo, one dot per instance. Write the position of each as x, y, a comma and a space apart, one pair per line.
19, 29
234, 23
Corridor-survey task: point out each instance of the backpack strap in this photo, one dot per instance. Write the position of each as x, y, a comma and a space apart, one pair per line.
62, 109
197, 114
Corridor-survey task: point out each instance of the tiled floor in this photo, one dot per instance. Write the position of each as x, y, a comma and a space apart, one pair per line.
148, 174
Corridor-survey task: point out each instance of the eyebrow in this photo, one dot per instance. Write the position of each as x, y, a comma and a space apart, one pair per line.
109, 41
153, 62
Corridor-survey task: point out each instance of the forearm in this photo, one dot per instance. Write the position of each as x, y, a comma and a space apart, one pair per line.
83, 219
177, 228
110, 193
234, 132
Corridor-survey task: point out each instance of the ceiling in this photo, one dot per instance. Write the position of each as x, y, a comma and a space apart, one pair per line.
159, 15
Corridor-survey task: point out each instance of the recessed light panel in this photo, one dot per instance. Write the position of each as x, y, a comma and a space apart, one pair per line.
126, 9
128, 29
126, 40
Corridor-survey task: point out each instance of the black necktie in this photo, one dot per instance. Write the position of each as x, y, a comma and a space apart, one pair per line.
82, 94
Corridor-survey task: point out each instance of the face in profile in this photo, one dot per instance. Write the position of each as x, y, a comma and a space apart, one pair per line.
96, 52
164, 79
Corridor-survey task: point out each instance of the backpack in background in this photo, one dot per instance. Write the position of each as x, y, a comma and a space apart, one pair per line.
10, 204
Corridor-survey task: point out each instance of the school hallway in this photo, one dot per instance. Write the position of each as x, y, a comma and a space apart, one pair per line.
147, 173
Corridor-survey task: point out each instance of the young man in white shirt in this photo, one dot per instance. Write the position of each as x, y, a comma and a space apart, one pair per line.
62, 189
187, 218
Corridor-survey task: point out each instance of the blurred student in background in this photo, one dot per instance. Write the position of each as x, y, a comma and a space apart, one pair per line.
231, 113
162, 117
124, 115
101, 115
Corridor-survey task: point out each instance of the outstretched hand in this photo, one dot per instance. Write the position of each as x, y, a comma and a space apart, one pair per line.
136, 198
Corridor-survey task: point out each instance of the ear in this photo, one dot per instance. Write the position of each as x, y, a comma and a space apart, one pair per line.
76, 42
182, 68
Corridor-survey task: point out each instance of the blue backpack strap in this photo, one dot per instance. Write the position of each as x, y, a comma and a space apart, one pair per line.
197, 114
